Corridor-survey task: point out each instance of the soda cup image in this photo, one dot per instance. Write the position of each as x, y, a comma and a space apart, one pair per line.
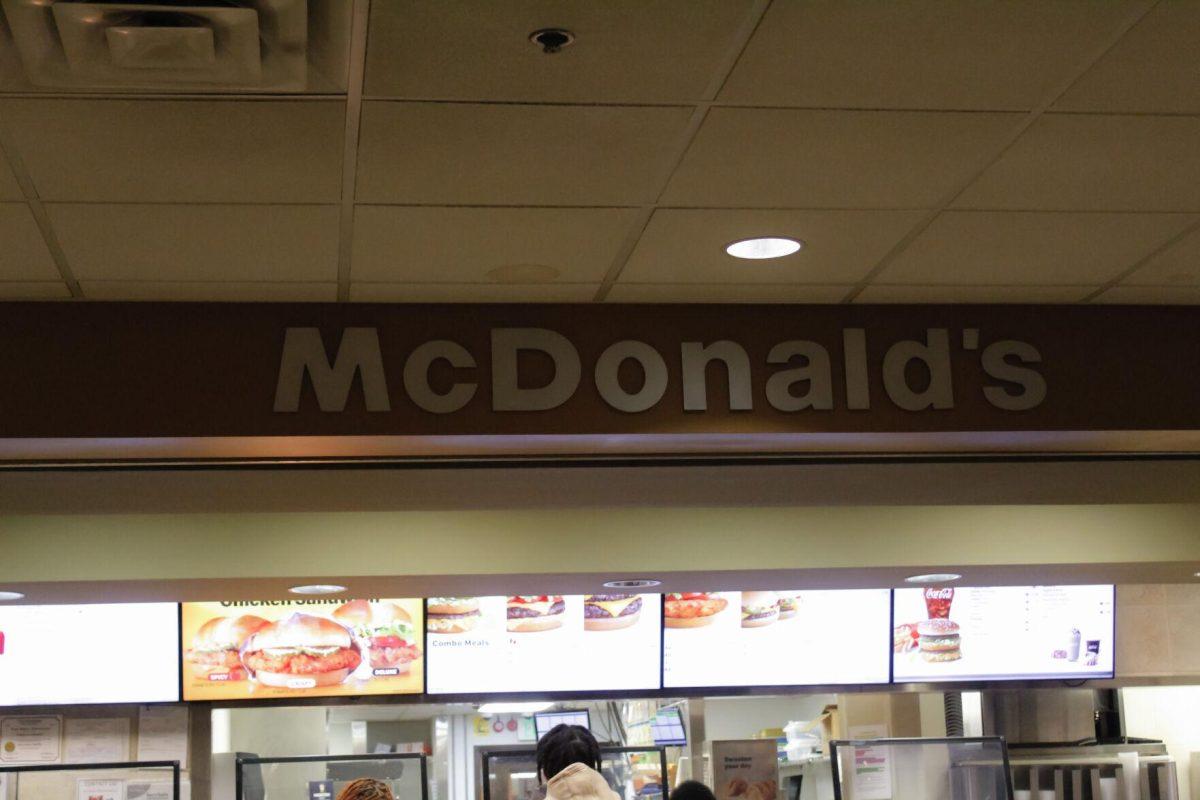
938, 600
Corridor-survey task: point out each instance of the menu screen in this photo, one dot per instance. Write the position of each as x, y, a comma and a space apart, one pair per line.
301, 648
543, 643
105, 653
1005, 632
787, 638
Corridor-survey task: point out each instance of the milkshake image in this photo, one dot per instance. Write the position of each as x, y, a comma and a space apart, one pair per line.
1073, 645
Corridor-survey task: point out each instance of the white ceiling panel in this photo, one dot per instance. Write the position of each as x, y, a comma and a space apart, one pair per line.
34, 290
451, 154
1088, 162
473, 292
1029, 248
920, 53
23, 253
660, 51
218, 291
880, 293
833, 159
1178, 264
1154, 68
725, 293
688, 245
180, 151
198, 242
439, 244
9, 189
1151, 295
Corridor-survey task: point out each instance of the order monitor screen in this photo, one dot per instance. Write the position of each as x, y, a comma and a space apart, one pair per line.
545, 721
667, 728
783, 638
1003, 633
520, 643
103, 653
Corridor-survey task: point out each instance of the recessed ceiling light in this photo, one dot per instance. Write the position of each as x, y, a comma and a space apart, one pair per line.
763, 247
934, 577
1198, 574
633, 583
514, 708
317, 588
5, 596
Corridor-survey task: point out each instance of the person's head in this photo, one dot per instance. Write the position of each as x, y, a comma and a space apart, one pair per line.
564, 745
692, 790
366, 789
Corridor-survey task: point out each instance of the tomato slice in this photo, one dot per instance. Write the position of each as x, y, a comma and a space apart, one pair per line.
387, 641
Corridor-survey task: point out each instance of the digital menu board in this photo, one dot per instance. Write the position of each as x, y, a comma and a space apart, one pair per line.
786, 638
302, 648
543, 643
1003, 633
103, 653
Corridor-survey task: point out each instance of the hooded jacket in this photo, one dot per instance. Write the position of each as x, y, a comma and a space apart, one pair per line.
579, 782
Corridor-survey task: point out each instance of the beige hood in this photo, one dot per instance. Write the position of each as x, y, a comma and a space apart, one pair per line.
579, 782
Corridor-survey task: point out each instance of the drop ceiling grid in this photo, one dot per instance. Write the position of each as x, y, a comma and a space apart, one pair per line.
614, 284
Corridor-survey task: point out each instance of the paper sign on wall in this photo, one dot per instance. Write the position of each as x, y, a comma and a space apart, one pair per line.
163, 734
31, 740
744, 769
97, 741
93, 789
872, 773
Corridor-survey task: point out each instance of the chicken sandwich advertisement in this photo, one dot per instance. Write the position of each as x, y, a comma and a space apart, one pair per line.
302, 648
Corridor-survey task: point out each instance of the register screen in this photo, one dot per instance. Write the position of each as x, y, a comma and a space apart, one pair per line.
1004, 632
105, 653
790, 638
542, 643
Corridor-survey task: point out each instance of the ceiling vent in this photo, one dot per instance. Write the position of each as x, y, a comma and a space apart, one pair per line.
171, 45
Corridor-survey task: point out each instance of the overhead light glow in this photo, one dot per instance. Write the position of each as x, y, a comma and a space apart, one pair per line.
934, 577
318, 588
5, 596
763, 247
513, 708
633, 583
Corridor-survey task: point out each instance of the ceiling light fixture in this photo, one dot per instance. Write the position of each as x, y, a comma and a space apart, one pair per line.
6, 596
633, 583
514, 708
934, 577
552, 40
763, 247
317, 588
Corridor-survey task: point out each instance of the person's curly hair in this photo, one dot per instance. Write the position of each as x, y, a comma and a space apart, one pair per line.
366, 789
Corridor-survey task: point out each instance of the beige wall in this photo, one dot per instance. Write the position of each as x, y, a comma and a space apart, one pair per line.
1158, 630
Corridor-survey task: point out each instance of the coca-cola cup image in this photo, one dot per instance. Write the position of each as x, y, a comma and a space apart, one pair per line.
938, 600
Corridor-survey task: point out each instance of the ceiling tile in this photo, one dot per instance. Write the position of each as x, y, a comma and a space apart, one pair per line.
461, 153
1152, 295
9, 189
688, 245
919, 53
440, 244
1153, 68
725, 293
23, 253
1178, 264
34, 290
198, 242
834, 159
1091, 162
1025, 248
663, 51
219, 291
180, 151
473, 292
878, 293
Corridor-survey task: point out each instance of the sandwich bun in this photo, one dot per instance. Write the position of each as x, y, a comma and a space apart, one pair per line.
941, 656
453, 605
362, 612
532, 624
300, 630
688, 622
227, 632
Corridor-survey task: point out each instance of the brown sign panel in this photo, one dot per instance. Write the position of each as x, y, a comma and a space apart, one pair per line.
244, 370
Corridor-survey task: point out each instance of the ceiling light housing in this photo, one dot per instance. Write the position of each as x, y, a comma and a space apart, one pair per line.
934, 577
514, 708
633, 583
317, 588
763, 247
7, 596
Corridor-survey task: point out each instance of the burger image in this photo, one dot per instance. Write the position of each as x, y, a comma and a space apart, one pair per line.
535, 612
939, 640
692, 609
608, 612
385, 631
789, 606
759, 609
451, 614
301, 652
214, 654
